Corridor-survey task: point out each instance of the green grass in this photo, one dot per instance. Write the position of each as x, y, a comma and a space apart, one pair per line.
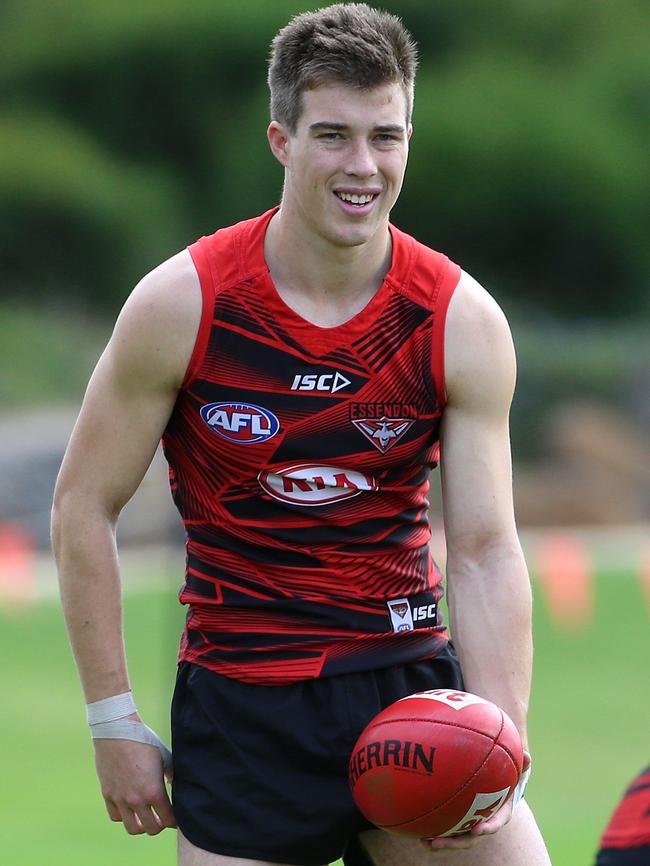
589, 717
589, 725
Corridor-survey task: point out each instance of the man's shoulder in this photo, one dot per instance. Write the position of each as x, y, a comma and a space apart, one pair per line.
475, 308
168, 289
157, 326
479, 354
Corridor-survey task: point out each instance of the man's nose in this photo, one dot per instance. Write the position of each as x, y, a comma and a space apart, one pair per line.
361, 161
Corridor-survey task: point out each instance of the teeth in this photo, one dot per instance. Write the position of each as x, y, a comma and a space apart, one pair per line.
355, 199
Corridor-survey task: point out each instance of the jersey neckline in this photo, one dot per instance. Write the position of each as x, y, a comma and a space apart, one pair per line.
360, 323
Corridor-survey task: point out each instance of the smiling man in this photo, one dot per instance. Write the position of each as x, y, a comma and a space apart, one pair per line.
305, 369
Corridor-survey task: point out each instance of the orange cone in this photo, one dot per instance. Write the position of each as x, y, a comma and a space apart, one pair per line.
565, 573
645, 576
17, 564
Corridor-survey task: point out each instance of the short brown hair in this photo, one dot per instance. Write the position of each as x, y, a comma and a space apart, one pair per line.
348, 43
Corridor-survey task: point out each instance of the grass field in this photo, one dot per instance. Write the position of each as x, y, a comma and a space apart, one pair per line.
589, 728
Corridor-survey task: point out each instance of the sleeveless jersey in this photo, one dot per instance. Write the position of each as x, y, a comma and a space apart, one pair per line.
299, 461
629, 826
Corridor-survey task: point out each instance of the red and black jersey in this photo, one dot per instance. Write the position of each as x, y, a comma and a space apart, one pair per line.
299, 461
629, 826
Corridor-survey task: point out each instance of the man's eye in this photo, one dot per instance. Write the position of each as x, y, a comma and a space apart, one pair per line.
330, 136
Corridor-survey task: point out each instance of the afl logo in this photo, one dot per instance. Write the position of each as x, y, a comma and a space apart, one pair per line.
312, 484
240, 422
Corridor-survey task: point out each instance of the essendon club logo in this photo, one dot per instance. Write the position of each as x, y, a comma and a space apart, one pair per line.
383, 432
400, 614
314, 484
400, 608
240, 422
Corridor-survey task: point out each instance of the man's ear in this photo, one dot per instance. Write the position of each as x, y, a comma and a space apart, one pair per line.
278, 141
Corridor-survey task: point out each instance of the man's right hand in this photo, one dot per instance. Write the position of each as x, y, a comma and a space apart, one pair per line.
133, 785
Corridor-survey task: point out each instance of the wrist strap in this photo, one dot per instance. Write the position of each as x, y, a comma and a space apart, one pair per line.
107, 720
109, 709
521, 787
130, 729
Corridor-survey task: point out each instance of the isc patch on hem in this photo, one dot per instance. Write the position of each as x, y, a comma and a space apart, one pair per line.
418, 611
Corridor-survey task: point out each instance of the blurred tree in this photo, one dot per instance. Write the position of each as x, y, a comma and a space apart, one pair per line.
538, 130
128, 129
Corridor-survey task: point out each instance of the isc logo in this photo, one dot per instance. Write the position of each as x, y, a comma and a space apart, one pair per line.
424, 611
311, 484
240, 422
404, 614
331, 382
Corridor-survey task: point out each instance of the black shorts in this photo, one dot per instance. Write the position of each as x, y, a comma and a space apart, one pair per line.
260, 772
624, 856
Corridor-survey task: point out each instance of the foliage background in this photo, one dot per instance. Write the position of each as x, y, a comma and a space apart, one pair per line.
127, 129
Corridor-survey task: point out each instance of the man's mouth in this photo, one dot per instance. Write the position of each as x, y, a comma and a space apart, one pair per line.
356, 199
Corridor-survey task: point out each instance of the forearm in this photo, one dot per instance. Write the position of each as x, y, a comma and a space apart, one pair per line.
129, 762
490, 612
85, 550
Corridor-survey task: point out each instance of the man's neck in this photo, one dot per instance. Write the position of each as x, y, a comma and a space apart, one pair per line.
325, 283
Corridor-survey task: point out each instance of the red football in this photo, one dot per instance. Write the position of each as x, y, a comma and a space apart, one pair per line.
435, 764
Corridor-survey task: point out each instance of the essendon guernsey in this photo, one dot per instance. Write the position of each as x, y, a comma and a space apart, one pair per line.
299, 461
629, 827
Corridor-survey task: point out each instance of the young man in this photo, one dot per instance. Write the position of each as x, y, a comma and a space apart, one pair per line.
305, 369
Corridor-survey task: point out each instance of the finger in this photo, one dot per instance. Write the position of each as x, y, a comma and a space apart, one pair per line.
113, 811
527, 761
149, 821
445, 847
449, 843
163, 808
496, 822
131, 822
153, 811
157, 799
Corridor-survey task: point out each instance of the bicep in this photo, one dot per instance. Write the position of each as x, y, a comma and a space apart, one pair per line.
475, 442
132, 391
114, 440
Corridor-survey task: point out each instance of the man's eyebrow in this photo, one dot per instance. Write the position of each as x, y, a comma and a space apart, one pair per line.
391, 127
339, 127
326, 124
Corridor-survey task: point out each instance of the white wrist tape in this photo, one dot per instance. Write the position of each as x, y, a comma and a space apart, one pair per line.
107, 720
521, 787
108, 709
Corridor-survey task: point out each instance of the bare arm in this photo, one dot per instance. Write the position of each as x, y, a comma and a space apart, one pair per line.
488, 587
127, 404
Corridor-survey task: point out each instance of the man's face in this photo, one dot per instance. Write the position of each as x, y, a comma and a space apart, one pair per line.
345, 162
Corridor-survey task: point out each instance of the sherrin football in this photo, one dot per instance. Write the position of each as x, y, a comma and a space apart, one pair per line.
435, 763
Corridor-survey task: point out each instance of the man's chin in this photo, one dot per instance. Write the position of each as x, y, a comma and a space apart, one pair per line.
354, 236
